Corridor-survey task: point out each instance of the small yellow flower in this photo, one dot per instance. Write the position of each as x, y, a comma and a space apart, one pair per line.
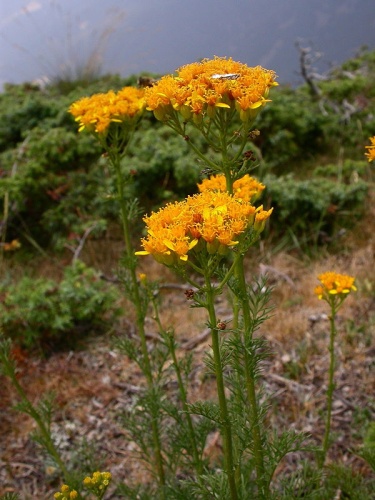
142, 277
371, 149
334, 284
98, 482
66, 493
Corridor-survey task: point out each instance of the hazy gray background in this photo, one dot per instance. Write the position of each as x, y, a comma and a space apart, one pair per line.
42, 38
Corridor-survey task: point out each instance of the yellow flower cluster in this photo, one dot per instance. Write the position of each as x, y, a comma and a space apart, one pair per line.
97, 484
98, 479
334, 284
97, 112
66, 493
246, 189
371, 150
216, 218
199, 89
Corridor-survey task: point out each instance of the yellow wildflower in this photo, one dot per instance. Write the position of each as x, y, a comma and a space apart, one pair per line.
98, 482
96, 113
66, 493
199, 89
371, 149
334, 284
142, 278
216, 218
247, 188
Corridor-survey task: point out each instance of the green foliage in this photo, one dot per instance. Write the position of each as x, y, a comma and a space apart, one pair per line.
54, 314
292, 129
349, 171
298, 129
354, 78
48, 193
368, 449
314, 210
22, 109
350, 484
164, 164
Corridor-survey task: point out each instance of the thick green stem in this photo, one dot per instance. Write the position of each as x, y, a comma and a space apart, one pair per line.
115, 159
250, 383
224, 414
331, 384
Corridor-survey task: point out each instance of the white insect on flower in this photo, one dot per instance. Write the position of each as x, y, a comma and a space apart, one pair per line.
227, 76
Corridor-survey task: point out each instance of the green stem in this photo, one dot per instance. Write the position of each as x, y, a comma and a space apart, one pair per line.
331, 384
228, 275
169, 338
183, 396
208, 162
225, 160
245, 139
250, 383
224, 414
115, 159
175, 125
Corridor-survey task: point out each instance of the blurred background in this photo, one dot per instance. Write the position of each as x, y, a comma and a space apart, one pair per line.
49, 39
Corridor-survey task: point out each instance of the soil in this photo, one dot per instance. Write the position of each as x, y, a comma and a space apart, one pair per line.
94, 383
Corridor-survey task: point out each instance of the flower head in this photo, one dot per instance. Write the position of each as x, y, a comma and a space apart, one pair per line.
333, 284
210, 220
371, 149
66, 493
247, 188
98, 482
200, 89
96, 113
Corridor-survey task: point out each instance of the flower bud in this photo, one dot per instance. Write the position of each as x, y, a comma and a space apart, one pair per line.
185, 112
213, 247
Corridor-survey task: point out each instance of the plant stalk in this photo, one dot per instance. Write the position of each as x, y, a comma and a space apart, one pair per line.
224, 414
331, 384
250, 383
169, 338
115, 159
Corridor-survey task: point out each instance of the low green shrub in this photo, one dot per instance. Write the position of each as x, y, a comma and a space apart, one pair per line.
349, 171
315, 208
51, 314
